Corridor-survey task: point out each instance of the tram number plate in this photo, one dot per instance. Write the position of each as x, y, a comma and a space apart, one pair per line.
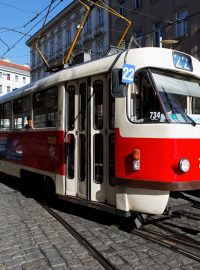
128, 73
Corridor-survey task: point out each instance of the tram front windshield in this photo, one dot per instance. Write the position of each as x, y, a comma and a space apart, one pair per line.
167, 97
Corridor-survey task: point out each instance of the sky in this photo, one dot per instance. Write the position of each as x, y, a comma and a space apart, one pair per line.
19, 20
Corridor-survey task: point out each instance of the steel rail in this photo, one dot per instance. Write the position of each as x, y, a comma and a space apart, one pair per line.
176, 245
91, 249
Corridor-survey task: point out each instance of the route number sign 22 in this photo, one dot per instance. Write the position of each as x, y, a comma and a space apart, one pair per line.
128, 73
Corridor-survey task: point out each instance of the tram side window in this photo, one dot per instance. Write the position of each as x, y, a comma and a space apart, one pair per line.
21, 109
98, 104
71, 107
98, 158
82, 102
5, 116
111, 110
45, 108
144, 103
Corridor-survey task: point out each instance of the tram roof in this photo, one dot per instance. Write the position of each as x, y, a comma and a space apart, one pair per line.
140, 57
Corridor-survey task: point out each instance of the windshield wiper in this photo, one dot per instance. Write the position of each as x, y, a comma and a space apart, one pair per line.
193, 123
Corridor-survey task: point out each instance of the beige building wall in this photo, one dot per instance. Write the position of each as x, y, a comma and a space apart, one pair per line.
172, 20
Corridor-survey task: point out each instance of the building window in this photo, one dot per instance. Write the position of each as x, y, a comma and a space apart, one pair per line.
1, 75
100, 17
139, 38
8, 89
1, 89
158, 33
181, 26
24, 80
16, 78
99, 49
68, 36
8, 77
138, 3
88, 26
59, 45
122, 8
33, 58
52, 46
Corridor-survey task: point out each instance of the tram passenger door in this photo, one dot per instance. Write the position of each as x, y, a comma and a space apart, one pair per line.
76, 139
101, 189
88, 139
71, 100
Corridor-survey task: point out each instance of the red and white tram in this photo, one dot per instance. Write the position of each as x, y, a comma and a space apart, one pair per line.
118, 133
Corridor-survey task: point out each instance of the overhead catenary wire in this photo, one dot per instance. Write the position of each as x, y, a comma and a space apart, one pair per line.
168, 24
13, 46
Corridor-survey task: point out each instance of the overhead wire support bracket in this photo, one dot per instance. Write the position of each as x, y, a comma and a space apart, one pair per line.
67, 58
102, 4
79, 30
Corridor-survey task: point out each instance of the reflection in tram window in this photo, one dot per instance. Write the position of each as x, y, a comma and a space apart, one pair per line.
98, 104
111, 110
70, 155
98, 158
82, 106
5, 116
71, 107
45, 108
82, 157
21, 109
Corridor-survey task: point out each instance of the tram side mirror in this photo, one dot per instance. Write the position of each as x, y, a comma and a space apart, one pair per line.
118, 88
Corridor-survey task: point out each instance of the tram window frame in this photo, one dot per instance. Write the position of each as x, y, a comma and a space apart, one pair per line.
21, 112
6, 116
45, 108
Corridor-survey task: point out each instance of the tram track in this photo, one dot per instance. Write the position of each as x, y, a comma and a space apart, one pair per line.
173, 231
183, 245
90, 248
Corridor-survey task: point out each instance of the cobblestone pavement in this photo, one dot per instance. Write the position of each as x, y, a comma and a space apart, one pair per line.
31, 239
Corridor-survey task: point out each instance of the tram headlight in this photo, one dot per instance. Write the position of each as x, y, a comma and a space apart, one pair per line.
184, 165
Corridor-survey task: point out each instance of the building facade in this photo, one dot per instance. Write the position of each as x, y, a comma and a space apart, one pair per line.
57, 36
12, 76
173, 23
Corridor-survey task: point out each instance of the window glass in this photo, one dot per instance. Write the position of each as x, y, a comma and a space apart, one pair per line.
144, 105
70, 155
139, 37
158, 33
82, 157
82, 102
98, 158
111, 110
5, 116
181, 26
111, 158
98, 104
138, 3
71, 107
21, 110
45, 108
